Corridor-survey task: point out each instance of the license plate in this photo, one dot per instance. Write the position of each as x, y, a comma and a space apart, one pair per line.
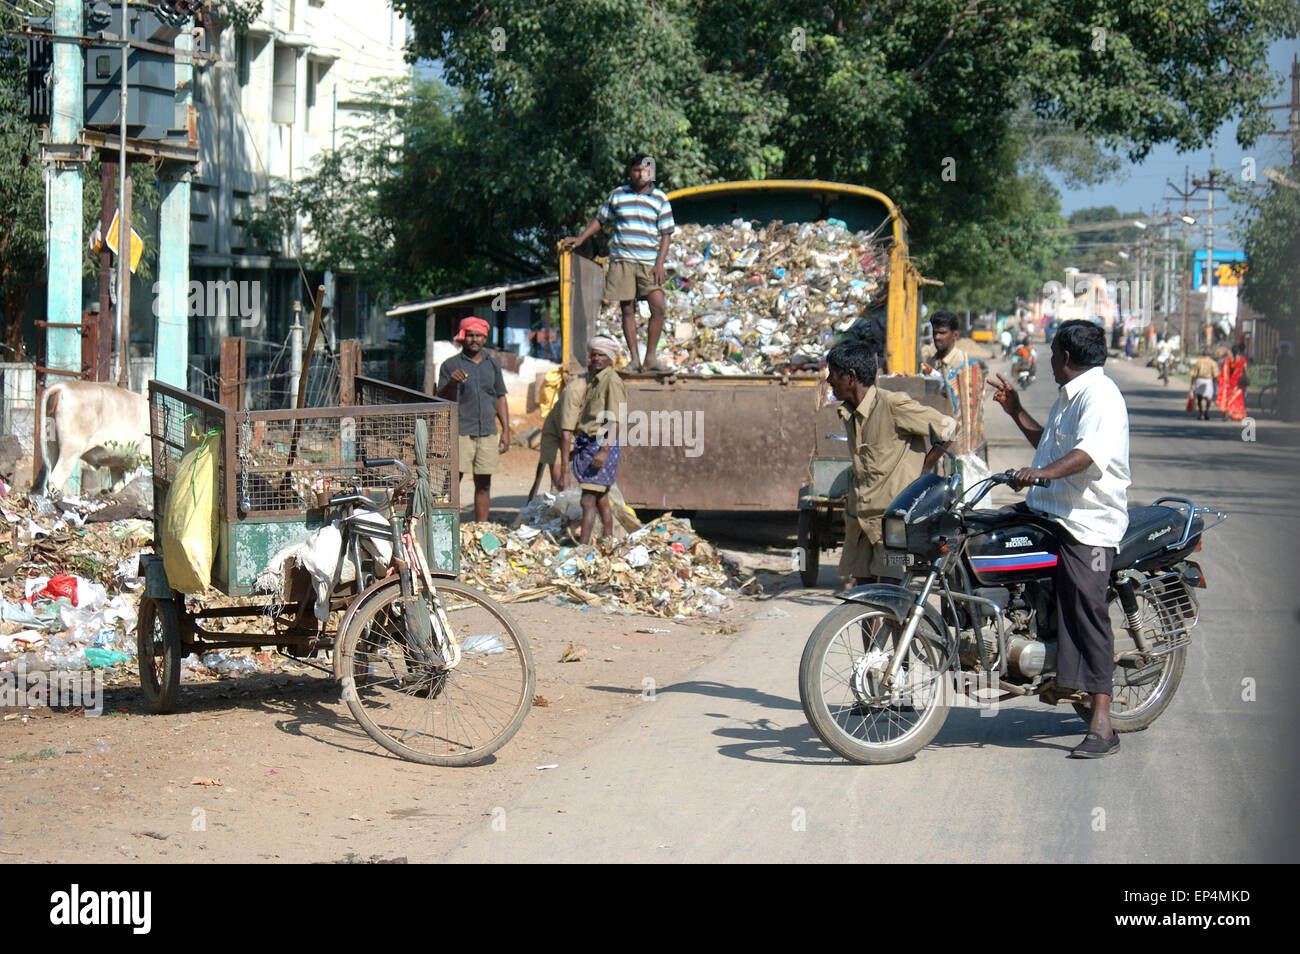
896, 559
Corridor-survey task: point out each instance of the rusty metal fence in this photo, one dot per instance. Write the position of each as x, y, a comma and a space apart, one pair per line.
283, 463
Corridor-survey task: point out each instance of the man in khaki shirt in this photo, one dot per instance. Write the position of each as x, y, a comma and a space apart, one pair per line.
595, 436
888, 436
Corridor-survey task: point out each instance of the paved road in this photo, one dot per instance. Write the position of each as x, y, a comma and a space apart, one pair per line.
723, 767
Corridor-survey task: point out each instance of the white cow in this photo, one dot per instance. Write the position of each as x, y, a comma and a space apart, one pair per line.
104, 425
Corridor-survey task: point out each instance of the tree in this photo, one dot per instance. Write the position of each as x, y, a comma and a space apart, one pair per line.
926, 100
22, 197
1271, 239
22, 192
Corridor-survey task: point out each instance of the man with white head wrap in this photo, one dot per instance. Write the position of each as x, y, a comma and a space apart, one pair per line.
596, 448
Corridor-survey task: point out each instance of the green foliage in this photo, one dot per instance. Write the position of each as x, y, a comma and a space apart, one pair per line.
1271, 239
22, 194
237, 14
22, 187
556, 95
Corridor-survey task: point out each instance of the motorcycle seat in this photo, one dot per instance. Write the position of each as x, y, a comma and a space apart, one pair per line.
1150, 531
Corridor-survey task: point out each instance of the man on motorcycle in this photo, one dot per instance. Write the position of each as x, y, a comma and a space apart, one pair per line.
1025, 357
1083, 450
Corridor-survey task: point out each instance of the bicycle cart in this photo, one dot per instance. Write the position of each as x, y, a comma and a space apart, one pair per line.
434, 671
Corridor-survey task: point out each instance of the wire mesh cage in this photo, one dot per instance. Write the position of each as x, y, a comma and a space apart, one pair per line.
285, 463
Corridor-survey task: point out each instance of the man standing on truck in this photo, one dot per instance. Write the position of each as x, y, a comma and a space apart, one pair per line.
474, 380
888, 436
643, 223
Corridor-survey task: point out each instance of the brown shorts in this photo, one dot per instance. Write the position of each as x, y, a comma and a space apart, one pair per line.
479, 455
550, 450
861, 558
628, 281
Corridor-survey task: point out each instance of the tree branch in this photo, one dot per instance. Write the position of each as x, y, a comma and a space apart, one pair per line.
971, 9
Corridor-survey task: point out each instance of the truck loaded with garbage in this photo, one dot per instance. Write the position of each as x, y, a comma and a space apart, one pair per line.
763, 278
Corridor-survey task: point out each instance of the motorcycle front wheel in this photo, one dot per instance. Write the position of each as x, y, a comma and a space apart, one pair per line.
844, 699
1139, 696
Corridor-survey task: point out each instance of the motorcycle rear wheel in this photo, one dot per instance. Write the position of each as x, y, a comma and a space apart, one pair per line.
1139, 696
841, 695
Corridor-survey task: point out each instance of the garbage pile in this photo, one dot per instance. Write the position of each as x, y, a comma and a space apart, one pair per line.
744, 299
69, 582
660, 569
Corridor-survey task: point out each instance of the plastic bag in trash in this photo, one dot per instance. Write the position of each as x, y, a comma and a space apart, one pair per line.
485, 644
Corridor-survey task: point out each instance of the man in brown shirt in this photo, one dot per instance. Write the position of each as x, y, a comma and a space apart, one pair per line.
595, 436
888, 436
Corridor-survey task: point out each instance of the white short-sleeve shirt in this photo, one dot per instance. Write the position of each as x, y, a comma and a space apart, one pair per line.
1089, 415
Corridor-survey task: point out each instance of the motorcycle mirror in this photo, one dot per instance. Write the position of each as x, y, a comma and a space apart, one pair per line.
936, 442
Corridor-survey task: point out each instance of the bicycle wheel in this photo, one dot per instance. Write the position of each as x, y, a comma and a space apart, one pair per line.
426, 713
842, 695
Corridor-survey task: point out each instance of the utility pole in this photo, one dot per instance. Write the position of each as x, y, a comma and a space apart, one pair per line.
1185, 193
124, 217
1212, 185
1293, 112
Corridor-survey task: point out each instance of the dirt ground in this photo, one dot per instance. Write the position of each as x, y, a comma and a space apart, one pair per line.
291, 775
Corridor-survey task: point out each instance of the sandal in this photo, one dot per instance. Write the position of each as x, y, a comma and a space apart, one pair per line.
1055, 695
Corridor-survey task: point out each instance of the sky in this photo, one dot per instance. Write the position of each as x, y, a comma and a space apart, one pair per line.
1139, 187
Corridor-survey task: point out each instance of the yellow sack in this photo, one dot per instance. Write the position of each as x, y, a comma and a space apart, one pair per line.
550, 390
189, 523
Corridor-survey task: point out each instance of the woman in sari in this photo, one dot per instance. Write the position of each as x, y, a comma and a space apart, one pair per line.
1232, 385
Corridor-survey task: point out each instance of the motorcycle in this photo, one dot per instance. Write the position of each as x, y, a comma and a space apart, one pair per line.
1024, 376
974, 622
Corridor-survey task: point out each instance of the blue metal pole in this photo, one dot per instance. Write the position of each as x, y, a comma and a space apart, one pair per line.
63, 190
171, 331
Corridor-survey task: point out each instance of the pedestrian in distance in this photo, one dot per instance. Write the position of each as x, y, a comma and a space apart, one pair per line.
595, 436
888, 436
642, 218
1204, 373
473, 379
1083, 451
1233, 382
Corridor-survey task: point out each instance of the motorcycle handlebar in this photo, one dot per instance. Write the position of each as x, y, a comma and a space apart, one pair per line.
1007, 476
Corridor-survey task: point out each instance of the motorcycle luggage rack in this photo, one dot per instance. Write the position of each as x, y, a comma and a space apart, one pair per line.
1176, 608
1193, 512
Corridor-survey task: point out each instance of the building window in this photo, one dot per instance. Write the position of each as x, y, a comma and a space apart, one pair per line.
284, 101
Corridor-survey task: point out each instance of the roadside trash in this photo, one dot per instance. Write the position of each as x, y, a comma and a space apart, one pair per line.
661, 569
97, 658
750, 299
573, 654
486, 644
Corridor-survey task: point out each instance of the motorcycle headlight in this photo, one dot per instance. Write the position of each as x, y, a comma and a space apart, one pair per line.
895, 533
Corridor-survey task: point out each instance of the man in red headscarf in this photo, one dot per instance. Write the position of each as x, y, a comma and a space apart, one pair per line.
473, 379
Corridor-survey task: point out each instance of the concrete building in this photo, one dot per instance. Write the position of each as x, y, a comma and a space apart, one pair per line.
283, 92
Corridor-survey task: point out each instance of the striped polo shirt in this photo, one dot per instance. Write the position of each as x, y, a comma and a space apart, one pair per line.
638, 220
